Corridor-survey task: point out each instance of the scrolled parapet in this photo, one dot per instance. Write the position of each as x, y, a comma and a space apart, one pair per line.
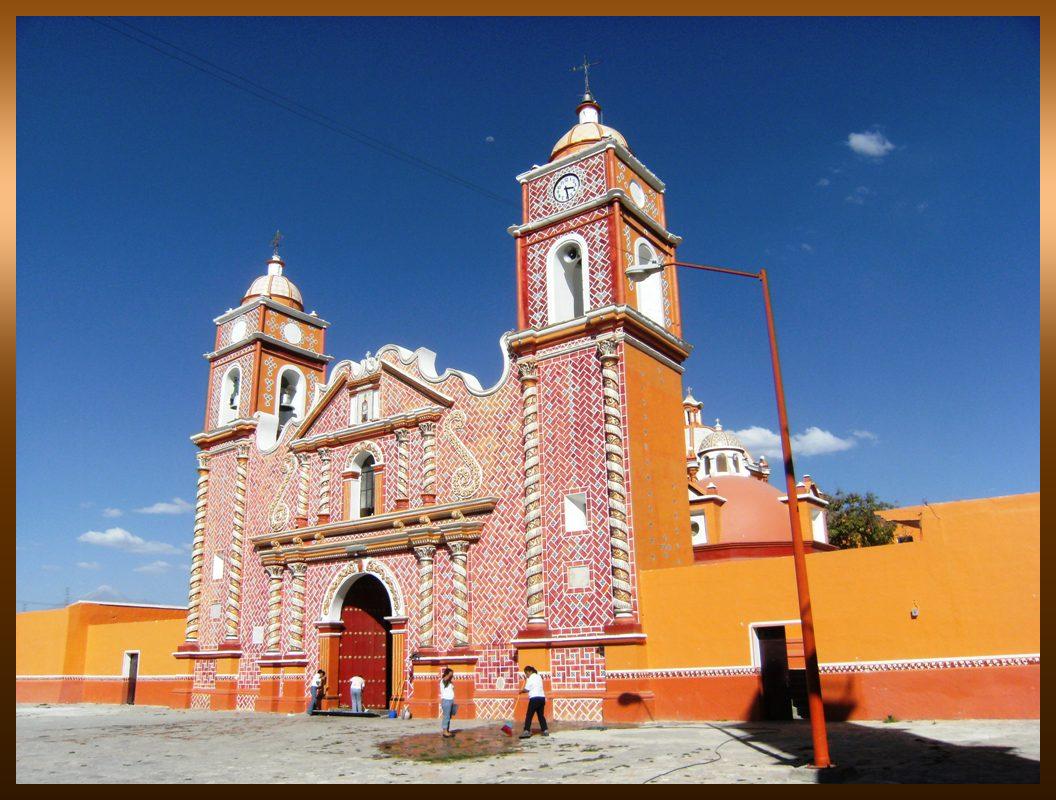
616, 483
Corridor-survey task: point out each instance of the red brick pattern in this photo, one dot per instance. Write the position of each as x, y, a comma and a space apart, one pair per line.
591, 174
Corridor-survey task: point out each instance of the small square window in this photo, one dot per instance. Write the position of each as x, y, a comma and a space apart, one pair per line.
214, 611
576, 512
218, 568
258, 634
579, 577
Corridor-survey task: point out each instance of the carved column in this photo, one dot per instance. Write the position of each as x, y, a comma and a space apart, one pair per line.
460, 579
325, 455
428, 430
302, 490
528, 372
299, 569
424, 553
234, 585
615, 479
194, 598
402, 439
274, 631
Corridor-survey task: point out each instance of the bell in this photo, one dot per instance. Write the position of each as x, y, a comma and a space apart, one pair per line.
570, 256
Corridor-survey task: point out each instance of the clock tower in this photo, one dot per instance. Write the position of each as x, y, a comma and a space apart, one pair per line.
599, 357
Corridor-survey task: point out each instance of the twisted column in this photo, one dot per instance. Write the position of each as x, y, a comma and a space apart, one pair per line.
459, 557
424, 554
234, 585
616, 479
402, 438
528, 372
273, 634
302, 490
324, 485
428, 430
194, 598
299, 569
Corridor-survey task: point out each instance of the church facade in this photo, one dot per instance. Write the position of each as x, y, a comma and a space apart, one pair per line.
373, 517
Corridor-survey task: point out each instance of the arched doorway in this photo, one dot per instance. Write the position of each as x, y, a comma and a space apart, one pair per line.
363, 647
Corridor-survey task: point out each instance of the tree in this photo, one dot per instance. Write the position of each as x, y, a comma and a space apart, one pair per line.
853, 522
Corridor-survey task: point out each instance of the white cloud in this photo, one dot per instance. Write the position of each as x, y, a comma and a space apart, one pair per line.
120, 539
812, 442
50, 567
868, 435
806, 248
154, 567
870, 143
489, 139
177, 506
922, 207
823, 182
858, 195
112, 512
88, 564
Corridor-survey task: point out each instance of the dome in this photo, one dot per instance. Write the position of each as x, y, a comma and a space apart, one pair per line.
585, 132
276, 286
753, 511
721, 439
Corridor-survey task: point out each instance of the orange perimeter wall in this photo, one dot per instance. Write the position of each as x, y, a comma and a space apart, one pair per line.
76, 654
973, 573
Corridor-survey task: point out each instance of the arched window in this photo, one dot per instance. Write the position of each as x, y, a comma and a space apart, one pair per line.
707, 465
230, 391
736, 463
292, 388
566, 283
720, 463
650, 289
366, 487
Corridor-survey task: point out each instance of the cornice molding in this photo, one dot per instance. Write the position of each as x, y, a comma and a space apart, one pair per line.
260, 336
289, 311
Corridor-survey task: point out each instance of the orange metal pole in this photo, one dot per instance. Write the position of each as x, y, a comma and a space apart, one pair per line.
806, 614
799, 560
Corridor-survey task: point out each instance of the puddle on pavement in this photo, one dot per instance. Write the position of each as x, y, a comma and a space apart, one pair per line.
477, 742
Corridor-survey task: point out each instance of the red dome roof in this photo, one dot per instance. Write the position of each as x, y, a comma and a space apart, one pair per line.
752, 512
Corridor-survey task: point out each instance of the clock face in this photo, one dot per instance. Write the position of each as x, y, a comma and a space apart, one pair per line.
291, 333
637, 195
238, 330
566, 188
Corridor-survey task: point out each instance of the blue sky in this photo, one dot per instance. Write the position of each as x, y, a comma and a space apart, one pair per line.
885, 172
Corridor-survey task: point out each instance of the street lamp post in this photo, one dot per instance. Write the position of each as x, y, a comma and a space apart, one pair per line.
806, 613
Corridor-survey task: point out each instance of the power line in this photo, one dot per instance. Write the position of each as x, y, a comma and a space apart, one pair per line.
261, 92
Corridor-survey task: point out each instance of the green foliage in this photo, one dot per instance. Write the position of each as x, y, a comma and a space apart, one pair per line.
890, 718
852, 520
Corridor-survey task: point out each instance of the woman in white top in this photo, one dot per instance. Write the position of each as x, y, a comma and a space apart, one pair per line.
355, 686
447, 701
533, 685
316, 689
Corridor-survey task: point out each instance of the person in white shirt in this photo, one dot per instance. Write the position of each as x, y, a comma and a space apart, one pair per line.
533, 685
447, 701
356, 684
316, 689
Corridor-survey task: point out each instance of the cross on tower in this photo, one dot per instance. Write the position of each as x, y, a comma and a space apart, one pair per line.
278, 237
585, 69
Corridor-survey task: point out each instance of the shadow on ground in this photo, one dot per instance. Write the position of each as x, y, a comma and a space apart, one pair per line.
875, 754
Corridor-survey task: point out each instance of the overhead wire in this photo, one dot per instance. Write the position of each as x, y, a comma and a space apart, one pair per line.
288, 104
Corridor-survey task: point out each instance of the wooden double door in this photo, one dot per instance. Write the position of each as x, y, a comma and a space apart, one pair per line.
365, 642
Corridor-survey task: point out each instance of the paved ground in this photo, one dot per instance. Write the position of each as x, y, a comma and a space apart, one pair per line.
123, 744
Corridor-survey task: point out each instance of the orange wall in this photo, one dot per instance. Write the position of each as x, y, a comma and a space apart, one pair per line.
659, 500
90, 639
974, 576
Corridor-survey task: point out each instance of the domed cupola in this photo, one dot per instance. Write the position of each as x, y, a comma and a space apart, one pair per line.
587, 131
276, 286
722, 453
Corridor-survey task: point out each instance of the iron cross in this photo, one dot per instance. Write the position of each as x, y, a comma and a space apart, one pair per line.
585, 69
278, 237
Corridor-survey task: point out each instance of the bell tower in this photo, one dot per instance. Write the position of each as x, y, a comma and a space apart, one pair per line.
599, 357
266, 363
